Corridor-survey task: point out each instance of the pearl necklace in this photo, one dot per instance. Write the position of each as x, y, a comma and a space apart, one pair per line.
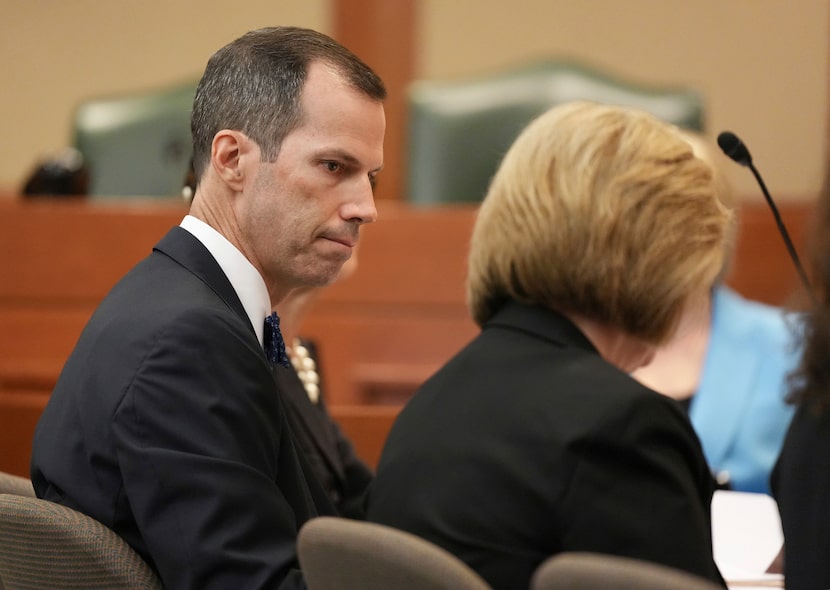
306, 369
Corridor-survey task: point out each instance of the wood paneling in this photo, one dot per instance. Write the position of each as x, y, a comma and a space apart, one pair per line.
382, 33
762, 268
380, 333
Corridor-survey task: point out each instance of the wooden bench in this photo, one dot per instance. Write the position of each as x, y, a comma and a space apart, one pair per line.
380, 333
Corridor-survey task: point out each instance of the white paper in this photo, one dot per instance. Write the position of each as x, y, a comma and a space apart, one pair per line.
746, 537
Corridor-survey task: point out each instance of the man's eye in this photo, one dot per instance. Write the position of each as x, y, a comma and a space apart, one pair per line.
333, 166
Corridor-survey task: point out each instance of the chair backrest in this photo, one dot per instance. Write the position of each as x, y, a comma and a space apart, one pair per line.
46, 545
593, 571
341, 554
459, 130
15, 484
136, 145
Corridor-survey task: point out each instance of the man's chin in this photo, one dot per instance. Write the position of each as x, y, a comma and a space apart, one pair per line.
325, 276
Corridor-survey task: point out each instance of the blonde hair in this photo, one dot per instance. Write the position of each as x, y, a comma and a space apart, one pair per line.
705, 149
601, 211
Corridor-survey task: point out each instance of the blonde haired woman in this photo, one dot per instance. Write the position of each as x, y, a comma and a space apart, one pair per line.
728, 366
599, 228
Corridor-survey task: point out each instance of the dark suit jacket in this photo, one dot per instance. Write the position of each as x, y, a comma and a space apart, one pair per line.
166, 425
527, 443
343, 475
801, 486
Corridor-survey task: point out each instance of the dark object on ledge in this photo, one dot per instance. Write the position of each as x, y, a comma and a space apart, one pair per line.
65, 174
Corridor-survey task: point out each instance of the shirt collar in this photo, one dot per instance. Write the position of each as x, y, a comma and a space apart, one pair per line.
244, 278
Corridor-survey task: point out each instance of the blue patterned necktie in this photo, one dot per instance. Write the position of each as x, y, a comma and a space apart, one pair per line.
274, 344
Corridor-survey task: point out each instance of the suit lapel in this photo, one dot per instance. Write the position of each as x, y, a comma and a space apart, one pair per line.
308, 421
183, 247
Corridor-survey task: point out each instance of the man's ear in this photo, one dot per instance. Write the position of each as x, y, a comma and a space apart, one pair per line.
230, 152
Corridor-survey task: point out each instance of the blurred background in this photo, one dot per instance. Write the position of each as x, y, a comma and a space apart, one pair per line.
760, 65
759, 68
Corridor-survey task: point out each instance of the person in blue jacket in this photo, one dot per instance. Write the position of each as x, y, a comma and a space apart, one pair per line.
728, 365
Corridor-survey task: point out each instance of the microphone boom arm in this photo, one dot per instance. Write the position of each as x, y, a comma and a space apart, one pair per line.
735, 149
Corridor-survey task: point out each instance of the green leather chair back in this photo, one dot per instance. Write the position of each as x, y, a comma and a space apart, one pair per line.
459, 130
137, 145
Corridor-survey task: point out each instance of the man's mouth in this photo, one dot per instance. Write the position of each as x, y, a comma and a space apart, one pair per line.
348, 241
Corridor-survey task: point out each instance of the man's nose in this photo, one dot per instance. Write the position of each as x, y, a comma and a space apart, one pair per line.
361, 208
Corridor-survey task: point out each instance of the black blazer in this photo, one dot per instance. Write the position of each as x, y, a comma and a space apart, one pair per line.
527, 443
344, 476
167, 426
801, 486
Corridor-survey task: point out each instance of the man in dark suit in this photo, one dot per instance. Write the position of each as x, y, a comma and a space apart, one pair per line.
166, 423
330, 454
598, 229
344, 476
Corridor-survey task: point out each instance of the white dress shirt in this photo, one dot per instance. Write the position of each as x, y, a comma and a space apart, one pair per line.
244, 278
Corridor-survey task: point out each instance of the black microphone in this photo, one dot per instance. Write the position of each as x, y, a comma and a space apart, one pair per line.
733, 147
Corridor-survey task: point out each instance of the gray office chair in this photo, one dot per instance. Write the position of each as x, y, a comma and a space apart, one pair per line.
136, 145
594, 571
46, 545
341, 554
15, 484
459, 130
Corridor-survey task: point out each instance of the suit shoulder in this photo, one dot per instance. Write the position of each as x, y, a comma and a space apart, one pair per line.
753, 322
